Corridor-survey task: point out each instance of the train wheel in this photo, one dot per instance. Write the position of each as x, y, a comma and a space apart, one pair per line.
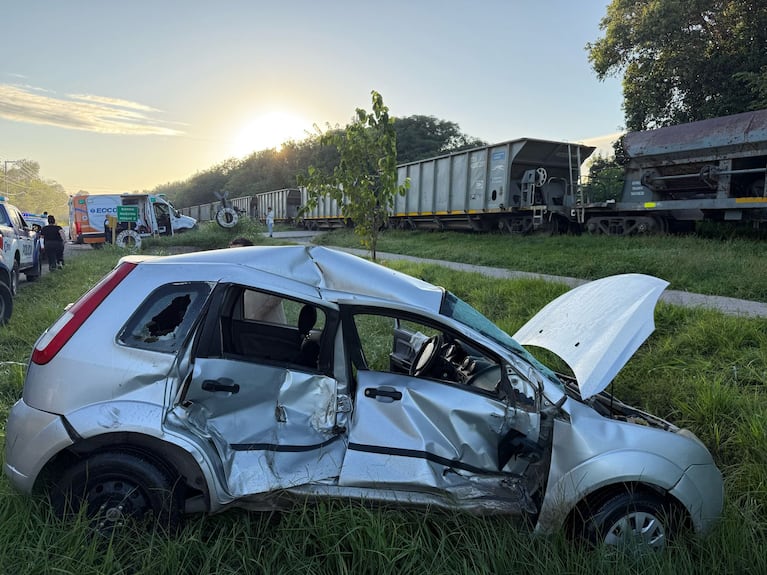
558, 226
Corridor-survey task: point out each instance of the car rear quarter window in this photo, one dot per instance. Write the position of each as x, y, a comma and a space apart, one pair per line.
162, 322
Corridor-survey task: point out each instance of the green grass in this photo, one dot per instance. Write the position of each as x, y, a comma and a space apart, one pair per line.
700, 369
208, 236
734, 267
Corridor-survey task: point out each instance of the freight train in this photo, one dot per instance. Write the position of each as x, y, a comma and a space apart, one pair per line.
675, 176
517, 186
286, 204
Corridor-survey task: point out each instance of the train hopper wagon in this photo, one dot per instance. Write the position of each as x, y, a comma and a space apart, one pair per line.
515, 186
707, 170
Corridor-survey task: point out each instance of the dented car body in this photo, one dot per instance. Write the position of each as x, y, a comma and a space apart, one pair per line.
256, 377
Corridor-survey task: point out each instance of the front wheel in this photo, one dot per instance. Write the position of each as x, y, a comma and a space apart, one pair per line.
634, 521
113, 488
6, 303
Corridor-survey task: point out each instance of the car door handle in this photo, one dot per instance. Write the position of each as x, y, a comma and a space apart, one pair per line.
383, 394
220, 385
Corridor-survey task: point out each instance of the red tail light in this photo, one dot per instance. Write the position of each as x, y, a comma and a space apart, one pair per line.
60, 332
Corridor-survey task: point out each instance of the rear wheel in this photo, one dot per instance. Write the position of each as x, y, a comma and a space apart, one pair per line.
35, 272
114, 488
15, 277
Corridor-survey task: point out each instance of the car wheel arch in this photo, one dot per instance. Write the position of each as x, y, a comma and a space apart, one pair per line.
597, 475
170, 458
581, 515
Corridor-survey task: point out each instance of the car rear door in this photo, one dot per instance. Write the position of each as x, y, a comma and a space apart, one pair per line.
268, 419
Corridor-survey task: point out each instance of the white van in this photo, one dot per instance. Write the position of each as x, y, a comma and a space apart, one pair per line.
95, 219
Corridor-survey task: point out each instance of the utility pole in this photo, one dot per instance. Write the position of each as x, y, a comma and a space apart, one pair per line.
5, 173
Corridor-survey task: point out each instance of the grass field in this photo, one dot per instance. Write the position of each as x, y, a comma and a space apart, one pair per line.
735, 268
700, 369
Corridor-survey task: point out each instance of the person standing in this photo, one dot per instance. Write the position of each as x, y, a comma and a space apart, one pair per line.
53, 238
269, 220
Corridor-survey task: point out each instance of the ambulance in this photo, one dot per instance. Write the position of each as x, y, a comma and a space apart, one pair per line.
123, 218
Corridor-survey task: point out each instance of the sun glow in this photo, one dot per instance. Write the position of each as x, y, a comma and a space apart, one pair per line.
269, 131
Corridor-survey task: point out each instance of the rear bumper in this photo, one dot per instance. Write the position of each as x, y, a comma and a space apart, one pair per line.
32, 438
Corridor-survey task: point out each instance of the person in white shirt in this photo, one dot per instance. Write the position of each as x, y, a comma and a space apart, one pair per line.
269, 220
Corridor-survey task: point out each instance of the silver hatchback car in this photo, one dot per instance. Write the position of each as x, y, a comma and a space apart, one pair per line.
262, 376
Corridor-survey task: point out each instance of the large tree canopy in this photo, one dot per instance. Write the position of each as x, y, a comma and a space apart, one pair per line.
684, 60
421, 137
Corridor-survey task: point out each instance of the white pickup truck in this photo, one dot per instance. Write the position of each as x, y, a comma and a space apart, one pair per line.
20, 246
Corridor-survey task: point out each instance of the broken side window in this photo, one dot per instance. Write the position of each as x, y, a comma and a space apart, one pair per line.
163, 320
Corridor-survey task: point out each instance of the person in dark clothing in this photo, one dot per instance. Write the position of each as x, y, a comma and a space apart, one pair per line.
53, 237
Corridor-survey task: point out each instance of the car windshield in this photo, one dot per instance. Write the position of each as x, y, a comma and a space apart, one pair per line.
457, 309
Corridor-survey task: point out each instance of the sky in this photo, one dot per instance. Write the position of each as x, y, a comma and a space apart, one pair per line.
120, 96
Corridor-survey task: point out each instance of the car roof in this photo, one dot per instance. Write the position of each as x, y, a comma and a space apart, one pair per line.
335, 274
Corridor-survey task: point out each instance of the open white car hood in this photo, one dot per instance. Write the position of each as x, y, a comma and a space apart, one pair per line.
596, 327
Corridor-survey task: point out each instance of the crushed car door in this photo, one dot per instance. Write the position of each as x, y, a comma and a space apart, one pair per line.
270, 419
431, 435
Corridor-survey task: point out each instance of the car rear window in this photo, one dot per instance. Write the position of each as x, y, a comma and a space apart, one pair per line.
162, 322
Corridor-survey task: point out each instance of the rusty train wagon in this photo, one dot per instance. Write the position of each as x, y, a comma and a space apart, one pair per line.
515, 186
708, 170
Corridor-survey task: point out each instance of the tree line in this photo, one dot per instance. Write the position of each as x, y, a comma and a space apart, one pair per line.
418, 137
25, 188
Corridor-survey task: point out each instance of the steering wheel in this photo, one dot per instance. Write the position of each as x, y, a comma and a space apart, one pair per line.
426, 356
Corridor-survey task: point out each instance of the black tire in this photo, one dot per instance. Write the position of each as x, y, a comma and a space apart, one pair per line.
6, 303
111, 488
34, 274
638, 521
15, 278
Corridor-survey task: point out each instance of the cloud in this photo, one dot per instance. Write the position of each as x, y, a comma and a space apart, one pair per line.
80, 112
